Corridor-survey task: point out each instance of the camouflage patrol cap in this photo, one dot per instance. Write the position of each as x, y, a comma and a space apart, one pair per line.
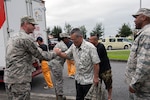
28, 19
62, 35
143, 11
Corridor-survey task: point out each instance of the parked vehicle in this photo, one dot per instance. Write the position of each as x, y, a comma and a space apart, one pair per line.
116, 43
11, 12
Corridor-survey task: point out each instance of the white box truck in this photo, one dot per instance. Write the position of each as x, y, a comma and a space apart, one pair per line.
11, 12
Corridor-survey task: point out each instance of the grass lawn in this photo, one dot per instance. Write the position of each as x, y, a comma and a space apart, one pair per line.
118, 54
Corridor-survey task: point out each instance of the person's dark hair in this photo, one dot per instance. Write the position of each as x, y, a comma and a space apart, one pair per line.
39, 39
61, 38
77, 31
95, 34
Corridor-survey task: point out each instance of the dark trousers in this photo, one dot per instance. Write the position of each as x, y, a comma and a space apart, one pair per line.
81, 90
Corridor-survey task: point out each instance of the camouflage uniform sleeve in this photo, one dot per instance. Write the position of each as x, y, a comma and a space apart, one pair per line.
37, 52
143, 63
69, 52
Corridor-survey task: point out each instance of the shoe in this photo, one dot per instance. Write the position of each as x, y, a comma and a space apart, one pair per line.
59, 97
72, 76
46, 87
64, 97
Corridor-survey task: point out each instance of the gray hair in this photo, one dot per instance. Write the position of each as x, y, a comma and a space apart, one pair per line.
76, 31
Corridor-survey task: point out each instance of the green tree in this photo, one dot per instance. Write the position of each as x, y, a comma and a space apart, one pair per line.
124, 31
56, 31
98, 30
67, 28
83, 30
48, 31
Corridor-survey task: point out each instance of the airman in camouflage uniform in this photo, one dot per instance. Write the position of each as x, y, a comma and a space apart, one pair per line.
19, 52
86, 61
138, 66
56, 66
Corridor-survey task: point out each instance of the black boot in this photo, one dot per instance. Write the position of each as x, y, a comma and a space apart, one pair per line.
64, 97
59, 97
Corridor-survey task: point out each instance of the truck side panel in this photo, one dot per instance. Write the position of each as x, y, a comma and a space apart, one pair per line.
14, 11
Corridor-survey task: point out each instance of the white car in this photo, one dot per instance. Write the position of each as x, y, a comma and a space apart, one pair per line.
116, 43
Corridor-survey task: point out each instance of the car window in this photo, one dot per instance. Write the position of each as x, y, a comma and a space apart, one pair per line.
103, 40
120, 40
112, 40
126, 40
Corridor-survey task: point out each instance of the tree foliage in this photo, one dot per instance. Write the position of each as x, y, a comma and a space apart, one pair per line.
67, 28
56, 31
98, 30
124, 31
48, 31
83, 30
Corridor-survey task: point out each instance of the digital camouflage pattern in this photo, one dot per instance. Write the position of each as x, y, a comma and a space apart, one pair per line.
56, 66
138, 66
96, 93
19, 52
19, 91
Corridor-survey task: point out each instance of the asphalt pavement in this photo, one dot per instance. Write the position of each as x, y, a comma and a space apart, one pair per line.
120, 89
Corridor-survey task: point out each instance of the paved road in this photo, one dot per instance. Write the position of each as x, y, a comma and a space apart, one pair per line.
120, 89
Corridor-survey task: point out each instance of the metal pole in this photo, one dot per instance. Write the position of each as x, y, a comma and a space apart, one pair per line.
140, 3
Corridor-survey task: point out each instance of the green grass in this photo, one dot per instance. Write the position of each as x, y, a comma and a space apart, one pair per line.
118, 54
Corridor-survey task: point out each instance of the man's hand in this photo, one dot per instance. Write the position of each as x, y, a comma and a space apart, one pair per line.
57, 51
96, 74
131, 89
96, 80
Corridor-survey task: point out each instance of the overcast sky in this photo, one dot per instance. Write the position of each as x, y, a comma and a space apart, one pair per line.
111, 13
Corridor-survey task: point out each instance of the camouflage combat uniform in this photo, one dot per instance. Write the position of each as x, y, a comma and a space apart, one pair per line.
18, 73
56, 66
138, 66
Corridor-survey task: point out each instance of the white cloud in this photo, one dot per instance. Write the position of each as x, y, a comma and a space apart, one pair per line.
112, 13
